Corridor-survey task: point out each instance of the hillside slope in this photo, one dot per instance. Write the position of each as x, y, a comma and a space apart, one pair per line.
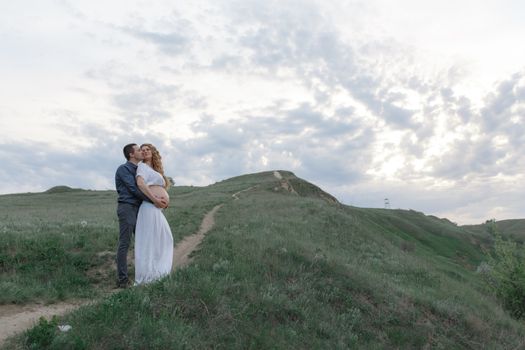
288, 266
514, 229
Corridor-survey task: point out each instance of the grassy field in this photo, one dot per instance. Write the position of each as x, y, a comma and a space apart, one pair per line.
280, 269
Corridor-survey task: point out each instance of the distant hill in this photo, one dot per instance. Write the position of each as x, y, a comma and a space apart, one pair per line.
62, 189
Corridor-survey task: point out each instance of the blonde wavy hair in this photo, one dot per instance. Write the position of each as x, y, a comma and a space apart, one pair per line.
156, 162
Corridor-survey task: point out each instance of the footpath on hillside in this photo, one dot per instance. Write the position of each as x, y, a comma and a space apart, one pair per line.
17, 318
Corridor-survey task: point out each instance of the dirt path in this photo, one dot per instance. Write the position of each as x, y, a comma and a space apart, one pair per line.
181, 253
16, 318
235, 196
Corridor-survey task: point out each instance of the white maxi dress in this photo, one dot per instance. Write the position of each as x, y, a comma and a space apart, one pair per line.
153, 238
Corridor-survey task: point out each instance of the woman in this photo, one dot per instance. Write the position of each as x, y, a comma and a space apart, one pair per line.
153, 238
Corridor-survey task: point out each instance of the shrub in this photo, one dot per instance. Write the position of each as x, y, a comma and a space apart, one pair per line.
41, 336
506, 275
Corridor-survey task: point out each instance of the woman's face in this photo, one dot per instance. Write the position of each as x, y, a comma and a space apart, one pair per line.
146, 152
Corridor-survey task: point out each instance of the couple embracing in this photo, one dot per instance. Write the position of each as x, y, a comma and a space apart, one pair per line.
141, 187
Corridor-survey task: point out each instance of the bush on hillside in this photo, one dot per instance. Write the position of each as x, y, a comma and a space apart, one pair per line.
506, 275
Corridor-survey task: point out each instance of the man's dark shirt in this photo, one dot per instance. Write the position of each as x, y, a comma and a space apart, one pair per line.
127, 189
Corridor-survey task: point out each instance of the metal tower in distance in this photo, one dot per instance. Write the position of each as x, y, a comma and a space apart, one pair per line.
387, 203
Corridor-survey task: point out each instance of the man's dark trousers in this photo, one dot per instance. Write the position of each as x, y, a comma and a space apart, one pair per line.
127, 219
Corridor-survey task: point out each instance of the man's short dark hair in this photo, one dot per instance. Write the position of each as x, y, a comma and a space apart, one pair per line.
128, 149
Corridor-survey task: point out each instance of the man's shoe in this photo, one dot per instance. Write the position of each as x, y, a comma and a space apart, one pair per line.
124, 284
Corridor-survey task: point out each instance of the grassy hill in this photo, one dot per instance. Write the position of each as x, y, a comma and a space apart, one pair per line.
286, 266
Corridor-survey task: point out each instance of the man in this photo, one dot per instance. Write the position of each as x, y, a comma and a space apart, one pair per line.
129, 200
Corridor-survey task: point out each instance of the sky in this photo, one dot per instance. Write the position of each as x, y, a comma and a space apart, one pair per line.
420, 102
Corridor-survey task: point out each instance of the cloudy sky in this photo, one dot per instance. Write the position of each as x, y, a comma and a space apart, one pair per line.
421, 102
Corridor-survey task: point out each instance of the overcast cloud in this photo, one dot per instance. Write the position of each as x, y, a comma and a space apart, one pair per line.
421, 104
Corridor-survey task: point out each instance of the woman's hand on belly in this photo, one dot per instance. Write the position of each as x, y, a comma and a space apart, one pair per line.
165, 198
160, 193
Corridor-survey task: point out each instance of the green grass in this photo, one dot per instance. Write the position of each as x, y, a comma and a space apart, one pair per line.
287, 271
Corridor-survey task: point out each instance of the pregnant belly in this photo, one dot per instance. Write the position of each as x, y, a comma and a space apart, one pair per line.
160, 192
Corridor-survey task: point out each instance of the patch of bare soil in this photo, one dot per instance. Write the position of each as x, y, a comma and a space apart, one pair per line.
16, 318
285, 185
102, 275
